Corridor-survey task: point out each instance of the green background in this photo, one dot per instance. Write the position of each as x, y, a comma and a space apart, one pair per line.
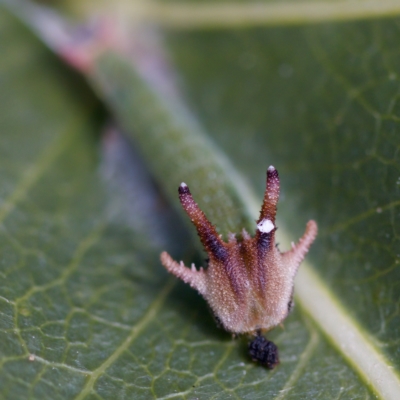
86, 309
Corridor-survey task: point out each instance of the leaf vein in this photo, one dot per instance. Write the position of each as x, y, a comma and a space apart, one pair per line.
124, 346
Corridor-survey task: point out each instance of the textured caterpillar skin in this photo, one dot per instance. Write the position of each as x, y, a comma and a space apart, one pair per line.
248, 282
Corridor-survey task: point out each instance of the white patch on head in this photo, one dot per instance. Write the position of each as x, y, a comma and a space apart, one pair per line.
183, 185
271, 168
265, 226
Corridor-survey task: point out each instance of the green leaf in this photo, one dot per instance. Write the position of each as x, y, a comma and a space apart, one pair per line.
322, 109
75, 295
86, 309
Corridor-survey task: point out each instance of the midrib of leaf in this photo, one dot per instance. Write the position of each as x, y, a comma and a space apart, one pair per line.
315, 297
189, 16
325, 309
346, 335
127, 93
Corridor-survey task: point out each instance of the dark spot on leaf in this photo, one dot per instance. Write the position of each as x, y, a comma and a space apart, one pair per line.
264, 352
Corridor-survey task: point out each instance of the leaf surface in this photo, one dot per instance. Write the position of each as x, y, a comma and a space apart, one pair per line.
86, 311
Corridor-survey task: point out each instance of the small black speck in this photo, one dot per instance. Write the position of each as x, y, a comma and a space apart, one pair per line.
264, 352
217, 320
290, 305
